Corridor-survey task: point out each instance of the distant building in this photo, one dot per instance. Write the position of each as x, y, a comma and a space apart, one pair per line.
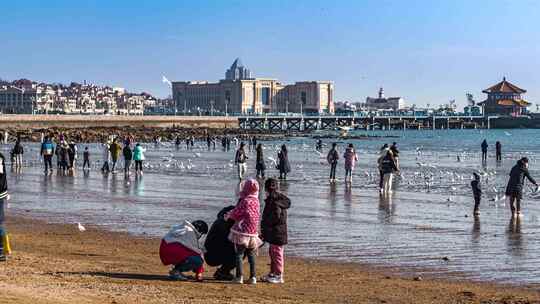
383, 103
239, 93
504, 98
237, 71
14, 100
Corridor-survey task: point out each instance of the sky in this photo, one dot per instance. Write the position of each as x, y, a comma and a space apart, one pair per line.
428, 52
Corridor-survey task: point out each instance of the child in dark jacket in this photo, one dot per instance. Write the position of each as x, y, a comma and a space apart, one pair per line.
477, 192
180, 247
274, 229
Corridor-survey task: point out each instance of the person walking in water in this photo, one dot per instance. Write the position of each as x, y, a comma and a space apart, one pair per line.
128, 156
332, 158
240, 161
477, 193
318, 146
274, 229
4, 197
384, 150
514, 188
72, 155
388, 168
138, 157
86, 158
106, 154
115, 150
484, 147
395, 152
18, 152
350, 158
498, 151
283, 162
47, 151
260, 165
244, 233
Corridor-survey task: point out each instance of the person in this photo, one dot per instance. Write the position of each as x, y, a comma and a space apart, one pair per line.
208, 141
240, 161
219, 249
254, 139
4, 197
283, 162
388, 168
350, 158
228, 143
72, 155
514, 188
63, 150
477, 193
18, 152
498, 152
128, 156
484, 147
180, 247
47, 152
384, 150
115, 150
260, 165
138, 157
332, 157
187, 143
244, 234
86, 158
105, 150
395, 152
274, 229
318, 146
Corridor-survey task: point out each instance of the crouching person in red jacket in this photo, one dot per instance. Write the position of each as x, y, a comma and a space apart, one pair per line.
180, 247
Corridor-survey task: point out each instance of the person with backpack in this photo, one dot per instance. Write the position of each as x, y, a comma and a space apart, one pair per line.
128, 156
18, 152
332, 157
4, 197
47, 152
240, 161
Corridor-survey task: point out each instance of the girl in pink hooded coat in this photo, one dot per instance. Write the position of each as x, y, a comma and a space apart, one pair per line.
244, 234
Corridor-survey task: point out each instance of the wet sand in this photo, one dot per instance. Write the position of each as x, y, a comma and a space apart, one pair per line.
55, 263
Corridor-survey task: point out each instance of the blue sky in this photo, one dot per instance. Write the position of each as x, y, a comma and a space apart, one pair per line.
426, 51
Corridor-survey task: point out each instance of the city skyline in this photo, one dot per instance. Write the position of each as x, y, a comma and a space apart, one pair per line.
426, 52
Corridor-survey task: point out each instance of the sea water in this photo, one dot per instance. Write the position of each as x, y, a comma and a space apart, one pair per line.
425, 226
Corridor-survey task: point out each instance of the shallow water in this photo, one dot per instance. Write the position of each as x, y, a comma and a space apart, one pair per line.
425, 219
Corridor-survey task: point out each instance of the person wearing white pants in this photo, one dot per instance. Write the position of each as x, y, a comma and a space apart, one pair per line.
240, 160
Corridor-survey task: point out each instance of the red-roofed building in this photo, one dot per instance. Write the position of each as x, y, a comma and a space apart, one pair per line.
504, 98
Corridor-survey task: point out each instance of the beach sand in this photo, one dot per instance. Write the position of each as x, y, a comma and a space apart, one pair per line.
55, 263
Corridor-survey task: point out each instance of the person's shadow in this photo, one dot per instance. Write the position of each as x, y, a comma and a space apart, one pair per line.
515, 237
137, 276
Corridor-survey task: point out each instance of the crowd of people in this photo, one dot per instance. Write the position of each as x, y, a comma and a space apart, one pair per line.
240, 230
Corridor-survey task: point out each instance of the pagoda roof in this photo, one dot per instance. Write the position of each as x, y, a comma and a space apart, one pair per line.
504, 87
509, 102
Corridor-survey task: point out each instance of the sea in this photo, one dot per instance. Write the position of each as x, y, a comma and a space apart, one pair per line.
425, 227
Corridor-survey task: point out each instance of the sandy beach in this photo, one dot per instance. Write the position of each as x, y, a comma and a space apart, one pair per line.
55, 263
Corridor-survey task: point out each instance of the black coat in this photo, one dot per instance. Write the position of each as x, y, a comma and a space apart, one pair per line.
388, 164
260, 165
517, 178
274, 219
219, 250
283, 162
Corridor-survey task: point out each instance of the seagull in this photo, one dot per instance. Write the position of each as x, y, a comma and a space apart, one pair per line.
81, 227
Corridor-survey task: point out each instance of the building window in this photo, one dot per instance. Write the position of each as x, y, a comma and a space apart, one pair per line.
265, 96
303, 98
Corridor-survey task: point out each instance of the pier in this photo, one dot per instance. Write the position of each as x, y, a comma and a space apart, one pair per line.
397, 122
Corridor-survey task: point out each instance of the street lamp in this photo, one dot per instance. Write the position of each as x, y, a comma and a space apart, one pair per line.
226, 105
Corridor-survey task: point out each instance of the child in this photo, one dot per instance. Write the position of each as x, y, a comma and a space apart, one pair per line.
86, 158
4, 197
180, 247
350, 161
274, 229
477, 193
244, 234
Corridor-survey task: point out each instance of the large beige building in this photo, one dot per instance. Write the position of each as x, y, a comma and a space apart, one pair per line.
241, 94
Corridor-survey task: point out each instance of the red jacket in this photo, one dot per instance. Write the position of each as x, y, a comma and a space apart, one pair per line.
176, 253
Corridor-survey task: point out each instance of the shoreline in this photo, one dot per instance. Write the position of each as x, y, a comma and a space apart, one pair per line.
55, 263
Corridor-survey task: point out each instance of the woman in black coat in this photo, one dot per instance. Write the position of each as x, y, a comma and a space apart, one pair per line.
260, 166
274, 228
283, 163
514, 189
219, 250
